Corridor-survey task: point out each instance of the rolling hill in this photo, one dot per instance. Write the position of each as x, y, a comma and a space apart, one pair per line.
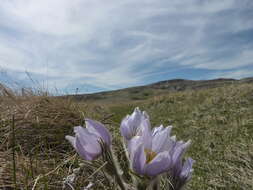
158, 88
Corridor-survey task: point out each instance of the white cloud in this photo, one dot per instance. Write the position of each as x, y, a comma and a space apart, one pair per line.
242, 59
237, 74
58, 17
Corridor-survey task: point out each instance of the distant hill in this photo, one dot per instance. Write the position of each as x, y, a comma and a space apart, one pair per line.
158, 88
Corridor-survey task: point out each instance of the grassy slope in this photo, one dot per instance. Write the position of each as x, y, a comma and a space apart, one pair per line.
220, 124
218, 121
156, 89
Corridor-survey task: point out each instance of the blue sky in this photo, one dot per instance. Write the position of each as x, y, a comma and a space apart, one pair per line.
97, 45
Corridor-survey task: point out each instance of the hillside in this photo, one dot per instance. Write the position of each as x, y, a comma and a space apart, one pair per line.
159, 88
217, 120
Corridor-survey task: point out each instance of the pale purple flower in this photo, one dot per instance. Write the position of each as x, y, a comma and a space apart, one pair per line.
131, 124
178, 149
179, 174
150, 152
187, 170
87, 141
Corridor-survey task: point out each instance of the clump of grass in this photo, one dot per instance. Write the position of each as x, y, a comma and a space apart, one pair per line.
41, 123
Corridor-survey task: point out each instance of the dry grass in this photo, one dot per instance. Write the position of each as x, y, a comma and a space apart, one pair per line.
41, 123
219, 121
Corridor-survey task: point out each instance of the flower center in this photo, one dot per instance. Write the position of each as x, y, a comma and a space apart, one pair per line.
150, 155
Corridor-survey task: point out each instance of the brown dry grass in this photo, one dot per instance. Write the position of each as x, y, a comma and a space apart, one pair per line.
41, 123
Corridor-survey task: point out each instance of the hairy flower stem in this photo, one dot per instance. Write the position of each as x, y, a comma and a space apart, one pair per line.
117, 172
144, 184
155, 184
113, 167
148, 184
134, 181
125, 150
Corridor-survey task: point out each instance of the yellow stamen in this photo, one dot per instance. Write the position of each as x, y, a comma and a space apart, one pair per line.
150, 155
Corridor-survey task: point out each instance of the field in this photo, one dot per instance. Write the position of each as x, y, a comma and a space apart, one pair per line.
35, 155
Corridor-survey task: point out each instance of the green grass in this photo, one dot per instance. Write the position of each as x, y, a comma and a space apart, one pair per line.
219, 122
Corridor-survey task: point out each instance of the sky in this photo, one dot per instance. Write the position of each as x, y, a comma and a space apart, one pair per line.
98, 45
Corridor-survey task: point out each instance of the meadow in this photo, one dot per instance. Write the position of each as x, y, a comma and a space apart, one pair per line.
35, 155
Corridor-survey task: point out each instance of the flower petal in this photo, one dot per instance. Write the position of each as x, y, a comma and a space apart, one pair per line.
139, 160
174, 138
133, 144
125, 129
87, 143
81, 149
72, 140
99, 129
187, 169
134, 120
155, 130
179, 150
160, 141
146, 134
160, 164
145, 114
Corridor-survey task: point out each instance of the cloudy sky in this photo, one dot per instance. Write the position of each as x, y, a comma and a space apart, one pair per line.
99, 45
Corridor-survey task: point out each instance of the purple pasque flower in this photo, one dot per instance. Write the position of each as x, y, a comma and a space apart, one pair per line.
131, 124
150, 153
186, 172
87, 141
180, 173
